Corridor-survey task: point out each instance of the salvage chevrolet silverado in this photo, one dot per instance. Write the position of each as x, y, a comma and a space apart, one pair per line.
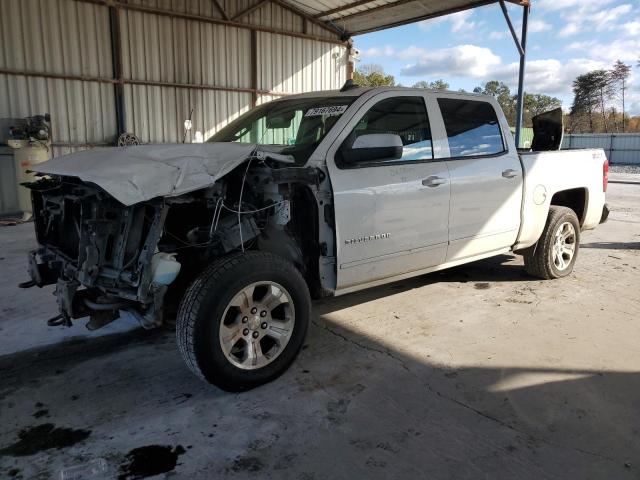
313, 195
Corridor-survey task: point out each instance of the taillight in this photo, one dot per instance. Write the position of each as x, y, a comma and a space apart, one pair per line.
605, 175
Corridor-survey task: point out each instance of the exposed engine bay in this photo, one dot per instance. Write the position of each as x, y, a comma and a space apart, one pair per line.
105, 256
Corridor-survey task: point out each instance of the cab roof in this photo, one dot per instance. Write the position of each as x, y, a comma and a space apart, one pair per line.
356, 91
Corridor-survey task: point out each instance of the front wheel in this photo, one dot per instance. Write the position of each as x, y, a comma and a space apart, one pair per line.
555, 253
244, 320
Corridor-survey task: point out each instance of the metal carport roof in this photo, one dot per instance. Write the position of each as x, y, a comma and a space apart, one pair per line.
354, 17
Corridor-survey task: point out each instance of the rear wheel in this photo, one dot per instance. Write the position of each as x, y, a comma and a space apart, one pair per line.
555, 253
244, 320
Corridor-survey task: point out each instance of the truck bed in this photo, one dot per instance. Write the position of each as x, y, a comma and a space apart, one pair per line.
549, 172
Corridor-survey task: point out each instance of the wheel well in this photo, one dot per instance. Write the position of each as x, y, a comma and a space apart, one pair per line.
575, 199
304, 219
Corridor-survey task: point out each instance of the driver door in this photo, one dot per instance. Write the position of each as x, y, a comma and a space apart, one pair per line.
391, 215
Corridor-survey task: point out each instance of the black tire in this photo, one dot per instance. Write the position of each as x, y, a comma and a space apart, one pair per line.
538, 260
203, 306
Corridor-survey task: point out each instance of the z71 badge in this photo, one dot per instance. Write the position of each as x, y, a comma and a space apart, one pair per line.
370, 238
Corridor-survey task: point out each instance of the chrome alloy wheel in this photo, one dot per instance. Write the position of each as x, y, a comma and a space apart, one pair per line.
564, 246
257, 325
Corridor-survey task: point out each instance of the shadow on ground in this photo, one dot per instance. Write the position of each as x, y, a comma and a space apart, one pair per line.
350, 407
612, 245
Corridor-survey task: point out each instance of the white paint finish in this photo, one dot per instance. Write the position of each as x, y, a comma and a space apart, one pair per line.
377, 140
390, 199
418, 272
483, 204
386, 199
139, 173
490, 214
557, 171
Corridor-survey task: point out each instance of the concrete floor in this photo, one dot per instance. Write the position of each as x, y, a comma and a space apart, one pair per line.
479, 372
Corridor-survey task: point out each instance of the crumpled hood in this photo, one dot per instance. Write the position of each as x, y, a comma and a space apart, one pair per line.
139, 173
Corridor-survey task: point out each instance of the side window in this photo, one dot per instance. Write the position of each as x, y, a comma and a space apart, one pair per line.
403, 116
472, 127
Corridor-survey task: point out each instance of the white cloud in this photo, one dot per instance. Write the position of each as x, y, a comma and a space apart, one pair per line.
623, 49
386, 51
550, 76
461, 60
578, 46
460, 22
632, 101
411, 52
569, 29
554, 5
632, 28
605, 18
536, 26
587, 19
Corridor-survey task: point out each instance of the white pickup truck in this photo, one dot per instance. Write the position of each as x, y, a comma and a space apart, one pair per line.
312, 195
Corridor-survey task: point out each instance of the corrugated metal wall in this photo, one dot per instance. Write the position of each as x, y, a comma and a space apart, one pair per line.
623, 148
293, 65
163, 49
209, 65
65, 38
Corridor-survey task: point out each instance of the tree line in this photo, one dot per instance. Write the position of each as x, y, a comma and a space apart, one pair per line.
599, 102
598, 105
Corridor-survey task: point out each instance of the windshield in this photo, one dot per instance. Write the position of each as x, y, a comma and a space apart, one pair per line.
296, 125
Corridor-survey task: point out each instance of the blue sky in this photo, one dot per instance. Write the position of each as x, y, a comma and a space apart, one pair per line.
566, 38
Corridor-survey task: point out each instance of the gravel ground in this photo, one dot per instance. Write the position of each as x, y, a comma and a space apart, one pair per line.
625, 169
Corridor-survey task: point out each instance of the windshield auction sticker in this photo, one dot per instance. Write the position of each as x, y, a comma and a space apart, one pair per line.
328, 111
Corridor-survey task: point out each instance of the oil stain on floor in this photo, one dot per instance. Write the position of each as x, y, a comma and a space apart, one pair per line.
32, 440
148, 461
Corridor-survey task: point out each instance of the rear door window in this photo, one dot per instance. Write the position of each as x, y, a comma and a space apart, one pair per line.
472, 127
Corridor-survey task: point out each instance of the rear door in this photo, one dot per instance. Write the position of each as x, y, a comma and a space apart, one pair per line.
486, 178
391, 216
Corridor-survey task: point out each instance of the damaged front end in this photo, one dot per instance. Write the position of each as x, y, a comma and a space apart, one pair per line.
105, 256
97, 252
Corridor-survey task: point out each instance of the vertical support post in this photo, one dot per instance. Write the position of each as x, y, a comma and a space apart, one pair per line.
623, 89
254, 68
350, 60
523, 54
116, 60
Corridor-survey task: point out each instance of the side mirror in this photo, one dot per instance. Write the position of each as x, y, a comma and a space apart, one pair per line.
373, 147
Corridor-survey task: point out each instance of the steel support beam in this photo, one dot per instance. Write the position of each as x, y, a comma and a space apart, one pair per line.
249, 10
131, 81
523, 55
505, 12
254, 68
116, 56
521, 45
217, 21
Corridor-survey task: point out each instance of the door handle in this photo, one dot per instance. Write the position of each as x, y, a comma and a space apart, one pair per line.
433, 181
509, 173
